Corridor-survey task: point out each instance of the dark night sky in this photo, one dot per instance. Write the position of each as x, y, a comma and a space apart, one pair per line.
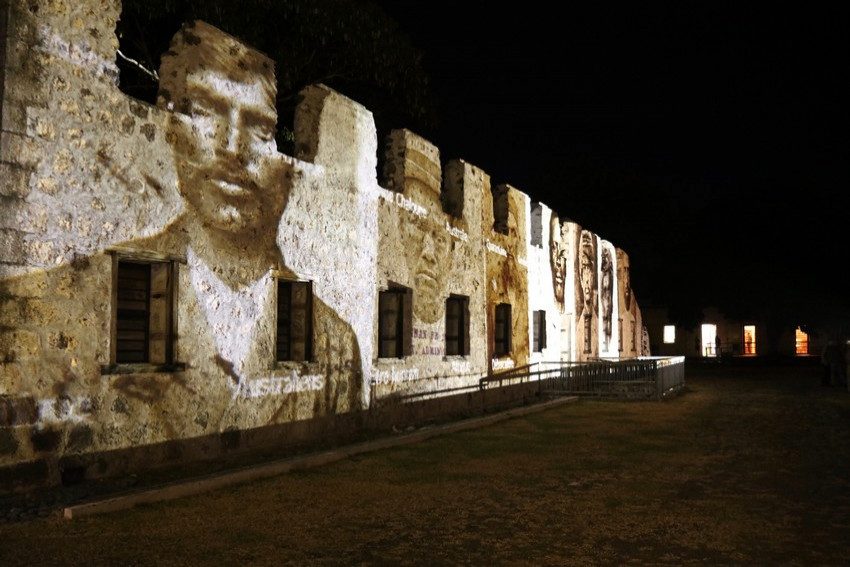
710, 144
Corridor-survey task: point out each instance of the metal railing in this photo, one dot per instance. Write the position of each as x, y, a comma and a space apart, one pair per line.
637, 378
644, 377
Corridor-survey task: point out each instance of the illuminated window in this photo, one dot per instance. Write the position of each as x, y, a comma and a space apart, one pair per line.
801, 342
502, 330
749, 339
669, 334
708, 343
394, 308
457, 325
539, 331
294, 321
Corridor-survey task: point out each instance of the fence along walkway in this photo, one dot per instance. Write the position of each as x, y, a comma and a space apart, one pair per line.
647, 377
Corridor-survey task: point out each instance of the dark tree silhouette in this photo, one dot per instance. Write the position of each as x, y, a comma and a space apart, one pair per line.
352, 46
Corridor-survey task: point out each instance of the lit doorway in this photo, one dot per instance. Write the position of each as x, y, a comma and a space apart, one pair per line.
801, 341
749, 339
709, 345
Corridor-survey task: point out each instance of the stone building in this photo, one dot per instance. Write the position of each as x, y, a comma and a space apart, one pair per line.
174, 289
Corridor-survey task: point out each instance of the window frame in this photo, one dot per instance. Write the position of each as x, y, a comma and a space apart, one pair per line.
398, 345
502, 329
538, 337
461, 338
166, 293
286, 289
620, 334
133, 312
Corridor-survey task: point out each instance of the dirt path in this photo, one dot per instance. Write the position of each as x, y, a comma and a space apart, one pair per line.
751, 466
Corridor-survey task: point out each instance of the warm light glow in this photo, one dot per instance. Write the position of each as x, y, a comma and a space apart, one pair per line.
801, 342
749, 339
709, 333
669, 334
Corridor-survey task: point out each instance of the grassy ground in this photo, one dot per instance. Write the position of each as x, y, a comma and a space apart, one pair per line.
750, 466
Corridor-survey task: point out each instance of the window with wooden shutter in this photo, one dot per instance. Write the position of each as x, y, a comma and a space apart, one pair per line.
539, 324
457, 325
294, 321
502, 330
394, 308
144, 312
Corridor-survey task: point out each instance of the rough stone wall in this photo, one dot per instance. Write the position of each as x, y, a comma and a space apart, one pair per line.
628, 320
571, 348
609, 300
505, 211
434, 254
643, 344
470, 257
4, 23
329, 230
92, 180
587, 296
72, 145
546, 271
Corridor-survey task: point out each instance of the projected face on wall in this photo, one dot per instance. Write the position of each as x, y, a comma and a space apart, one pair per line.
557, 259
607, 292
223, 136
587, 275
221, 96
427, 248
625, 279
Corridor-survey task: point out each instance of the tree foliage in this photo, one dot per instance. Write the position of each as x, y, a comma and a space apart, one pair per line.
352, 46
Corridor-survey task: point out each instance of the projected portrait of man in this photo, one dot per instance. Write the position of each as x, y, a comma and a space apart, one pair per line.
625, 279
586, 298
627, 305
234, 184
557, 259
586, 303
427, 248
606, 298
222, 130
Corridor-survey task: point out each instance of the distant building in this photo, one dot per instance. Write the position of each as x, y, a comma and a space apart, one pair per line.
718, 335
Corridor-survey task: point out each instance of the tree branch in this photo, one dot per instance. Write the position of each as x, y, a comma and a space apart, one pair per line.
152, 74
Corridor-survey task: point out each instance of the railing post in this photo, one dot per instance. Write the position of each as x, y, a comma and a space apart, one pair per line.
658, 380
